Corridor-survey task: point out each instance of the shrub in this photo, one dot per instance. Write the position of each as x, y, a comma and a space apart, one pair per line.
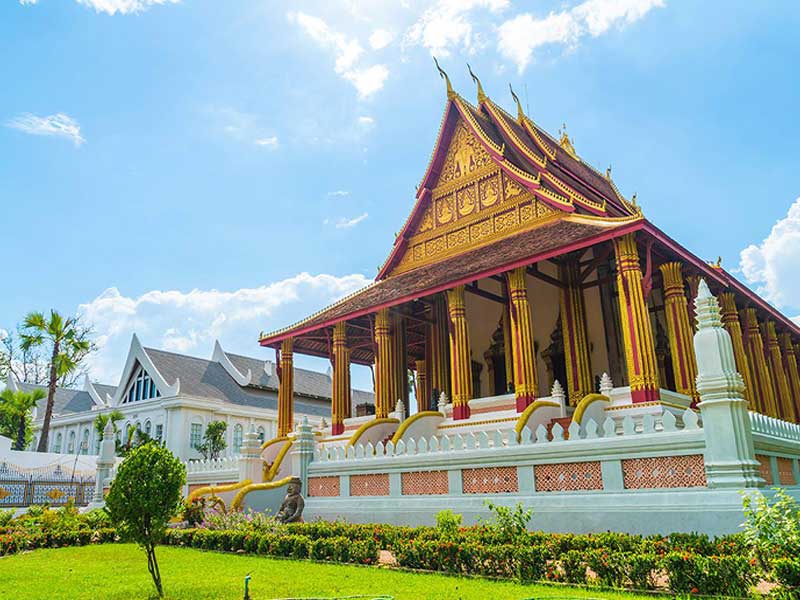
640, 569
510, 523
771, 529
786, 572
448, 523
573, 567
684, 571
5, 517
531, 562
609, 567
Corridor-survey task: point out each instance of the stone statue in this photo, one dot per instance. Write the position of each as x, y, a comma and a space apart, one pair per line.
291, 510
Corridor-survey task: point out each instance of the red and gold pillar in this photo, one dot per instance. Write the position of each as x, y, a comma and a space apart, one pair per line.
730, 320
692, 283
340, 394
422, 391
792, 375
681, 346
286, 388
783, 395
640, 353
383, 365
460, 356
521, 334
762, 385
573, 327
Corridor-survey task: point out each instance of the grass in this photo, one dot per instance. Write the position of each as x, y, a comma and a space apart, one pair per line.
119, 571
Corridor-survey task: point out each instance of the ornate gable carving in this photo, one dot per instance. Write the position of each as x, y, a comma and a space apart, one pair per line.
473, 203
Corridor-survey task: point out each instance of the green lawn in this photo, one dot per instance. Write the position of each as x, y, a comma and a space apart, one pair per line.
119, 571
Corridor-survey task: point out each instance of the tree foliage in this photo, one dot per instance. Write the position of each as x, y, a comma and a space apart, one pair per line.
213, 439
144, 496
15, 415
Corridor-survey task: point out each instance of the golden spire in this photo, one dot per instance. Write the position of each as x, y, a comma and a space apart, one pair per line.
450, 93
565, 142
481, 96
608, 172
520, 112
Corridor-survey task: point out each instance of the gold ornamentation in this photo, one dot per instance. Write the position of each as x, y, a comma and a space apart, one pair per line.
464, 155
445, 210
512, 188
55, 494
489, 192
565, 142
466, 201
426, 223
4, 493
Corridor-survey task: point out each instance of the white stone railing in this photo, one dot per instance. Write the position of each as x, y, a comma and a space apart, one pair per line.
212, 465
609, 429
774, 427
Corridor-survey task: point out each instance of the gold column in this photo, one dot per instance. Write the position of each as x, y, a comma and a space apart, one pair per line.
792, 374
765, 399
573, 328
692, 282
640, 353
681, 345
423, 394
286, 388
439, 344
521, 334
383, 365
340, 393
783, 395
730, 320
460, 355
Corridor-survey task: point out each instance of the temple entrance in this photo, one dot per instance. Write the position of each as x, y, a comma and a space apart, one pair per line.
554, 357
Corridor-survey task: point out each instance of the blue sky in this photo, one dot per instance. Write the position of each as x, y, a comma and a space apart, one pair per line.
194, 170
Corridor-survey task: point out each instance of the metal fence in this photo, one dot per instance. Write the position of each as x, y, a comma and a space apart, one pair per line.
51, 485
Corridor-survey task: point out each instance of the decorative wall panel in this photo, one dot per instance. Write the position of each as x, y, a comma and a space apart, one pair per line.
490, 480
424, 483
375, 484
785, 471
664, 472
765, 468
568, 477
323, 487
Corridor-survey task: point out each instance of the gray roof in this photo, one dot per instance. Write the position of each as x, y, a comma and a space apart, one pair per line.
208, 379
66, 401
103, 389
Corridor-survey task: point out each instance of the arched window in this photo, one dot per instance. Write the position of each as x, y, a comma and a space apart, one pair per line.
148, 426
238, 434
196, 435
141, 387
85, 442
57, 445
71, 444
261, 433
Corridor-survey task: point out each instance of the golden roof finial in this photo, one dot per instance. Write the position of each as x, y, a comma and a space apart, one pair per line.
520, 112
633, 199
481, 95
608, 172
450, 92
718, 264
565, 142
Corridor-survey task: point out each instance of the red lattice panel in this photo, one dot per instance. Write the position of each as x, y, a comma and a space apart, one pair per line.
323, 487
764, 468
786, 472
490, 480
424, 483
664, 472
374, 484
568, 477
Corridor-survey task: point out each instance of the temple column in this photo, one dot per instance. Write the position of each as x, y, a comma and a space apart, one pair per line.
383, 365
523, 354
508, 353
399, 360
340, 393
573, 328
439, 348
692, 282
460, 355
730, 320
286, 388
792, 375
783, 396
423, 394
348, 407
684, 364
640, 354
765, 399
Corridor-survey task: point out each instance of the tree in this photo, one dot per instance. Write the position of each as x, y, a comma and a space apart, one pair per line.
68, 343
16, 407
30, 365
144, 496
134, 437
214, 439
101, 420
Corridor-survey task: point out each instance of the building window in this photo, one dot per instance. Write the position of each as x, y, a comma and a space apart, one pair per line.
238, 433
159, 432
71, 444
261, 434
57, 445
142, 387
85, 442
196, 435
148, 426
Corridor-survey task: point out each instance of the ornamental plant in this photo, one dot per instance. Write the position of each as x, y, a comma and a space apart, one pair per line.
144, 496
771, 529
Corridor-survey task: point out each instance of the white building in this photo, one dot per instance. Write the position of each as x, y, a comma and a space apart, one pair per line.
172, 397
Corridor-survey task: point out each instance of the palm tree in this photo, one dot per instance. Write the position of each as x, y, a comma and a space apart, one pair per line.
17, 405
68, 344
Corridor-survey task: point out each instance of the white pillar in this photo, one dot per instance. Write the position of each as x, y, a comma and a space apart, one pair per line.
302, 453
730, 455
250, 464
105, 462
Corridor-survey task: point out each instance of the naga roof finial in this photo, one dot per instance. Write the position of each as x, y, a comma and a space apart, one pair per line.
608, 172
450, 92
481, 95
565, 142
520, 112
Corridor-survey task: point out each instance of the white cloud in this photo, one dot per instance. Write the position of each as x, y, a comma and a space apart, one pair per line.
189, 322
269, 142
773, 264
520, 36
123, 7
448, 25
380, 38
338, 194
347, 54
366, 122
345, 223
58, 125
28, 2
